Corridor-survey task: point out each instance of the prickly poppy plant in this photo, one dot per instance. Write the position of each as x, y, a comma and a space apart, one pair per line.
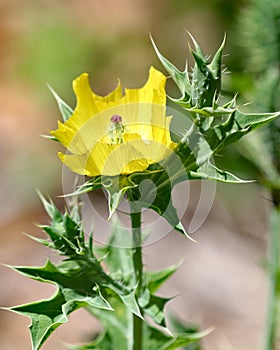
118, 142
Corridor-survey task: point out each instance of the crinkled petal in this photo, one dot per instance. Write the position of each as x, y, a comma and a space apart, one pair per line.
146, 137
161, 133
153, 151
78, 164
89, 121
142, 105
106, 159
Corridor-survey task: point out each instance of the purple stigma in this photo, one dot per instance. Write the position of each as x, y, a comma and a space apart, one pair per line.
116, 118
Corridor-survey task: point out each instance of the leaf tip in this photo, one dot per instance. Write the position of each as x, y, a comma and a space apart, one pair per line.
180, 228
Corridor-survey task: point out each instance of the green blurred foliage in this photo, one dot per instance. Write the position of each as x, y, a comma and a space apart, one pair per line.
55, 45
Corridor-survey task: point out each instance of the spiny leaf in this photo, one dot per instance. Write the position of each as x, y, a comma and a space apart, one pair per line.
236, 126
210, 172
206, 77
208, 112
178, 327
82, 280
155, 309
65, 110
50, 208
254, 120
129, 300
49, 314
156, 278
76, 289
180, 78
65, 231
116, 189
46, 316
205, 86
97, 301
67, 237
157, 196
118, 327
196, 46
216, 63
94, 183
155, 339
39, 240
116, 254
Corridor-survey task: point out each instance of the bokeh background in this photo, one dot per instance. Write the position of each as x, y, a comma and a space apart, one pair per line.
222, 282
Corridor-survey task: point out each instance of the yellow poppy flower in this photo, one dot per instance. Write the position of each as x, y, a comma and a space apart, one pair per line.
116, 134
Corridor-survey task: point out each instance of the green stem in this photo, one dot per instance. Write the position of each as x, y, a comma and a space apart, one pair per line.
135, 214
274, 281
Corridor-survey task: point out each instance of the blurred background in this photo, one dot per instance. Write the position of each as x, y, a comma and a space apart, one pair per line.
222, 282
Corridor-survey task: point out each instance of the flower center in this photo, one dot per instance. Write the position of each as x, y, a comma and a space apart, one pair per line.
116, 129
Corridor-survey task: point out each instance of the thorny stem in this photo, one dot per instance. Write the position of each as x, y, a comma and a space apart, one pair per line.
135, 214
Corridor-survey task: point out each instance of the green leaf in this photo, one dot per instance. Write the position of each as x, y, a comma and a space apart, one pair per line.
50, 208
178, 327
49, 314
180, 78
82, 272
67, 237
84, 281
129, 300
116, 187
236, 126
46, 316
94, 183
78, 287
196, 46
155, 339
156, 278
120, 264
98, 300
206, 77
65, 110
216, 64
210, 172
118, 332
65, 231
155, 309
208, 112
254, 120
118, 327
117, 254
156, 194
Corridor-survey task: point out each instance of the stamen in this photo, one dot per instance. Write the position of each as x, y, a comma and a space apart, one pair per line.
116, 118
117, 129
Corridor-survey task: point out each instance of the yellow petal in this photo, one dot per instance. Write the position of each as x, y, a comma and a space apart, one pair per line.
78, 164
88, 123
146, 128
153, 151
105, 159
113, 160
141, 105
152, 92
161, 133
